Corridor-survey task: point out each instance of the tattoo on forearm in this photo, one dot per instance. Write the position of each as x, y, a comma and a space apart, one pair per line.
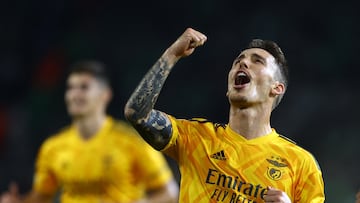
153, 125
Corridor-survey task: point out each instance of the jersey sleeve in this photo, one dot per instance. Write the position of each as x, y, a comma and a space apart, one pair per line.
44, 180
311, 188
178, 137
186, 135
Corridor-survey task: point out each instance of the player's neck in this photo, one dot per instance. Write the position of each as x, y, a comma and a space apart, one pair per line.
251, 122
88, 126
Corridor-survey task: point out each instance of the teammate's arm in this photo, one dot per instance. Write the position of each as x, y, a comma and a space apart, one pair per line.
168, 193
154, 126
44, 186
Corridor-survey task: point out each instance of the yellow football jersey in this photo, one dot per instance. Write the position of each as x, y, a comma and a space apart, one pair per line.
219, 165
115, 165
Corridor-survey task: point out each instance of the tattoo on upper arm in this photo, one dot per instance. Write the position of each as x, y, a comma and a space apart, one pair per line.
156, 130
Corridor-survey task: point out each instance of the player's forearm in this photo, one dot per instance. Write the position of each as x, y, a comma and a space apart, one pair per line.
153, 125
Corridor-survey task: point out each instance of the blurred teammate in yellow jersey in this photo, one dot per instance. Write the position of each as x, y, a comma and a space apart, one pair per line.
243, 161
97, 159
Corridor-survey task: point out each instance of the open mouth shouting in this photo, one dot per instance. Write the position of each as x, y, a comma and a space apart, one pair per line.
241, 79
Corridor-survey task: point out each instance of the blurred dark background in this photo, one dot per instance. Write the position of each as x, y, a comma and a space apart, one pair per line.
40, 39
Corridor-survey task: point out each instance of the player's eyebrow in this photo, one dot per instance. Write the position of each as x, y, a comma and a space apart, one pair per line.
241, 56
255, 55
258, 56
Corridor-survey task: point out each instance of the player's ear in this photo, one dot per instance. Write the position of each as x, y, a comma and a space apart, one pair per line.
278, 88
109, 94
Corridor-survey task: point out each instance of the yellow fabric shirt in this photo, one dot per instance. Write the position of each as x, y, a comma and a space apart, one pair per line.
115, 165
219, 165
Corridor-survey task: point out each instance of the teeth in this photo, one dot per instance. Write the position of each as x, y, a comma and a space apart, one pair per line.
241, 78
241, 74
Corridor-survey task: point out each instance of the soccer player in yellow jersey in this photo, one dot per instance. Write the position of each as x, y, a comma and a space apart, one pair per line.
243, 161
97, 159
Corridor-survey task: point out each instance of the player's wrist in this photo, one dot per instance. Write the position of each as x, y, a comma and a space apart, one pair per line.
170, 57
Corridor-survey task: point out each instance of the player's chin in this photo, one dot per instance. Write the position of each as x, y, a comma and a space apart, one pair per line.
236, 96
76, 113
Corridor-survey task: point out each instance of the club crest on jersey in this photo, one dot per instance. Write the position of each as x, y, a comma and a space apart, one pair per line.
275, 170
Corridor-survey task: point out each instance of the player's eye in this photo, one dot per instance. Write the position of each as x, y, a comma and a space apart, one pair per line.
259, 60
236, 61
69, 87
84, 87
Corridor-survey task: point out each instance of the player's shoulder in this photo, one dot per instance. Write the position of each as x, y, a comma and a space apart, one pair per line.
290, 144
124, 132
293, 146
122, 126
57, 138
60, 133
287, 140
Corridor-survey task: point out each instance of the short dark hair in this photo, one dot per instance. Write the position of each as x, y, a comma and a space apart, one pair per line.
95, 68
280, 60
